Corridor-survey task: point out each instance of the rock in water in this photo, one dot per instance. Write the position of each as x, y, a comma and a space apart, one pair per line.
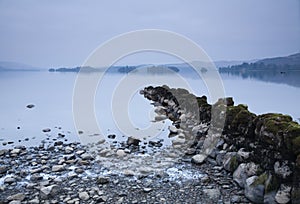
30, 106
46, 130
133, 141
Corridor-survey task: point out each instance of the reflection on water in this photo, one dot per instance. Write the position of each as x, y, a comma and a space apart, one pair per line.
51, 93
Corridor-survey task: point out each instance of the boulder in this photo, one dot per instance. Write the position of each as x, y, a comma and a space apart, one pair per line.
283, 195
49, 191
244, 171
133, 141
199, 158
254, 188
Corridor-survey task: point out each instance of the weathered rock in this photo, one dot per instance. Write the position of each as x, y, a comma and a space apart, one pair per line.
254, 189
199, 158
244, 171
283, 195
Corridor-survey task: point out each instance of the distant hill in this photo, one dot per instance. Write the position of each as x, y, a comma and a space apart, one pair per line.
278, 70
288, 60
15, 66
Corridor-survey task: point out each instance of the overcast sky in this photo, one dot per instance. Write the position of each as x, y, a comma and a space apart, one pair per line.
63, 33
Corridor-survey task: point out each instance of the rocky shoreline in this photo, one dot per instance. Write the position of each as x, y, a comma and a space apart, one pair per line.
68, 173
220, 153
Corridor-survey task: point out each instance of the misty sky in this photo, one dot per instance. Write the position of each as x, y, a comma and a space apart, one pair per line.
63, 33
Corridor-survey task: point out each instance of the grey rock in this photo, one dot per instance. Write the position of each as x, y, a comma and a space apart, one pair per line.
133, 141
86, 156
283, 195
102, 180
49, 191
253, 191
269, 198
46, 130
231, 161
9, 180
199, 158
282, 169
15, 151
30, 106
18, 196
36, 177
34, 201
15, 202
212, 194
244, 171
57, 168
84, 196
147, 190
68, 150
4, 169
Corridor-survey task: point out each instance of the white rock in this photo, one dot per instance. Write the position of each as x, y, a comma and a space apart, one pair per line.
128, 172
48, 191
68, 150
57, 168
121, 153
86, 156
182, 118
84, 196
284, 194
282, 169
178, 141
243, 153
15, 151
199, 158
173, 129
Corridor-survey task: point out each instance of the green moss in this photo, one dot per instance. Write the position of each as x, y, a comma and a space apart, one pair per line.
234, 163
298, 161
296, 145
275, 126
271, 184
260, 180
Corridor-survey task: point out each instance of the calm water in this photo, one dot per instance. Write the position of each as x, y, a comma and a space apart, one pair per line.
51, 93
